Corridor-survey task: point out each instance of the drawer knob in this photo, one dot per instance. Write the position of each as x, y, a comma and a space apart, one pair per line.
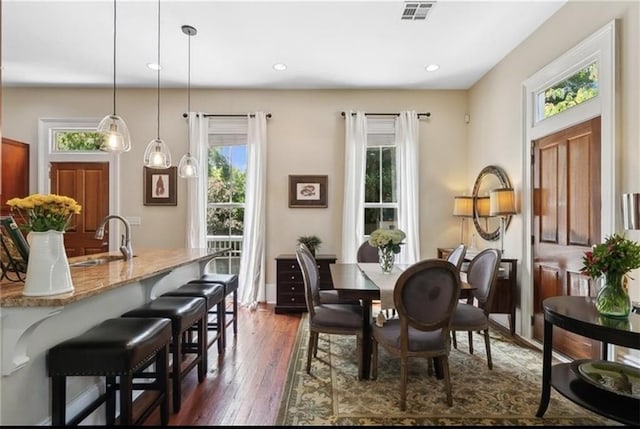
293, 299
293, 266
293, 277
293, 288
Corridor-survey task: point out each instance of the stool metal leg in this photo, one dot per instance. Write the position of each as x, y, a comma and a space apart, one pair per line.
58, 400
126, 398
110, 402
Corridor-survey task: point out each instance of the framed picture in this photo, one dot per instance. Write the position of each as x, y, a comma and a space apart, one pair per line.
160, 186
308, 191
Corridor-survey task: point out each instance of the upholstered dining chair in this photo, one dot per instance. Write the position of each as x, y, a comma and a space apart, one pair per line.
481, 275
340, 319
425, 296
456, 257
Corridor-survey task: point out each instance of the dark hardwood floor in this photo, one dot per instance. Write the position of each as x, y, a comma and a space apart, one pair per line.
244, 385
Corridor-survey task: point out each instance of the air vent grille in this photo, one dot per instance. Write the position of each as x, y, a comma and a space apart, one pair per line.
417, 10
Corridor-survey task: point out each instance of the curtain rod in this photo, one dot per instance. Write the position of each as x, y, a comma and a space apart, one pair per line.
427, 114
238, 115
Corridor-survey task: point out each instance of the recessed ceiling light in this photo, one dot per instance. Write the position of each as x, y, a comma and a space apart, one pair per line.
154, 66
432, 67
279, 67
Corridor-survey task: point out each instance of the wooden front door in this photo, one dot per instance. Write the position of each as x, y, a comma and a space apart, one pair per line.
566, 223
88, 184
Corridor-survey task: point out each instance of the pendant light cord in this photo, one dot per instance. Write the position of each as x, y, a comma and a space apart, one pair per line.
189, 94
114, 57
158, 126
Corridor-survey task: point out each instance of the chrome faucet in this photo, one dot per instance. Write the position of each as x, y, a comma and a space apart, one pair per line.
125, 244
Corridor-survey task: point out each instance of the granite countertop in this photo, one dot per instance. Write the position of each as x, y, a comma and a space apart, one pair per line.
96, 279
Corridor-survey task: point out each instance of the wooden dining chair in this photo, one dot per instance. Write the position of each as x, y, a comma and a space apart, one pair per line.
339, 319
469, 317
425, 296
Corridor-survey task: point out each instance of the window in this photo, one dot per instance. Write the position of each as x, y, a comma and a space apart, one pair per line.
75, 140
227, 171
577, 88
380, 187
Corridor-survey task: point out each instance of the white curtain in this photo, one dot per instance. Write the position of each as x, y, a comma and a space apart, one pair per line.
408, 178
252, 270
196, 236
354, 167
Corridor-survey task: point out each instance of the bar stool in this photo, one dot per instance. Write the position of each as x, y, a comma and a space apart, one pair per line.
213, 293
117, 347
184, 313
230, 282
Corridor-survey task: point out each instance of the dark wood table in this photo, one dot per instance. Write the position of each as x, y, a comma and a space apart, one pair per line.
578, 314
352, 283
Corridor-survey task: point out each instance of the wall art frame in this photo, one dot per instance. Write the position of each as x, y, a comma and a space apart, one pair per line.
160, 186
308, 191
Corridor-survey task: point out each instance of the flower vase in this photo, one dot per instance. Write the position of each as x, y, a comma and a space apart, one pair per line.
612, 299
386, 257
48, 270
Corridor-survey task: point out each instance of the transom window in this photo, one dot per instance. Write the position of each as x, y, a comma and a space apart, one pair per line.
77, 141
577, 88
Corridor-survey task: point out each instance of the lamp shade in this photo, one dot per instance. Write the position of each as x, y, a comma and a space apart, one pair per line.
157, 154
631, 210
502, 202
482, 206
117, 138
188, 167
463, 206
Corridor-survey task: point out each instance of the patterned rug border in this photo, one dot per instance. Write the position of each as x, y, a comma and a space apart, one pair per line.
296, 369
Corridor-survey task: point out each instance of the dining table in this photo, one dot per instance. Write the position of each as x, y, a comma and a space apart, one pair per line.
367, 283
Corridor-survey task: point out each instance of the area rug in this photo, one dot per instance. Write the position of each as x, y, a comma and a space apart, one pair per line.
508, 394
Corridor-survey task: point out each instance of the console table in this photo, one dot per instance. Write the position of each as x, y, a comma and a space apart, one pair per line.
504, 299
290, 286
578, 314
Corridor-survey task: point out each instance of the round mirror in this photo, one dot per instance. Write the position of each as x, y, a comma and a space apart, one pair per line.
490, 178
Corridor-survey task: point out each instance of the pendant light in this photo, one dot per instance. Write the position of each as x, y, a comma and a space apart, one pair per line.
188, 167
113, 126
157, 153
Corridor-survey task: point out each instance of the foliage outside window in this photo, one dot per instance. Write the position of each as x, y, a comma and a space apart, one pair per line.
380, 194
81, 141
576, 89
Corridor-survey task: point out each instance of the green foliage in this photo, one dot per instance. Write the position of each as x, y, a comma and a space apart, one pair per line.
616, 256
79, 141
225, 185
311, 241
574, 90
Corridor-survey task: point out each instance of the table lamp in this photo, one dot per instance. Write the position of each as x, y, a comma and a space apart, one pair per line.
462, 207
502, 202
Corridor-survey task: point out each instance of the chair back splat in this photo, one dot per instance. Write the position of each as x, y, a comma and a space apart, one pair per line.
456, 257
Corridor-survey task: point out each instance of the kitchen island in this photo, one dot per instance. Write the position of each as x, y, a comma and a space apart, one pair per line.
32, 325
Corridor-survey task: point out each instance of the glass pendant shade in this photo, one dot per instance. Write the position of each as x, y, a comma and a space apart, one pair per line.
116, 134
188, 167
157, 154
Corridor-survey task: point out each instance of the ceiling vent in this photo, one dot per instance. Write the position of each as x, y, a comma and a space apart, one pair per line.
417, 10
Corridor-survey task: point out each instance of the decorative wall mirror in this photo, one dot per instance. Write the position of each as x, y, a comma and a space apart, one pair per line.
490, 178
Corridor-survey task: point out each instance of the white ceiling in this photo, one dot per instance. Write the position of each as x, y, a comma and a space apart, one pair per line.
325, 44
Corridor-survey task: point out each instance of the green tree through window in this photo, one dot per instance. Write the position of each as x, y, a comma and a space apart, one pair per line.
572, 91
69, 141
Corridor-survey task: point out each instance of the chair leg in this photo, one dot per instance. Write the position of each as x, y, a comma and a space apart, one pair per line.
58, 400
126, 405
488, 348
447, 380
374, 359
403, 382
430, 366
453, 337
312, 338
470, 333
202, 348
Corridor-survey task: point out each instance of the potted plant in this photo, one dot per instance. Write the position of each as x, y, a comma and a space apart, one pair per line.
311, 241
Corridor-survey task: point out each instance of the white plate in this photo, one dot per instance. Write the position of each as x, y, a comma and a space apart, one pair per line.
614, 377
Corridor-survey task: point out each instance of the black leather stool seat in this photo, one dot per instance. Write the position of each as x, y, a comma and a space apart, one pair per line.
184, 313
230, 282
114, 347
213, 293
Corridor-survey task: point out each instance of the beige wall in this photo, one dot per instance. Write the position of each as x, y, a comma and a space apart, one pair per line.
496, 108
305, 136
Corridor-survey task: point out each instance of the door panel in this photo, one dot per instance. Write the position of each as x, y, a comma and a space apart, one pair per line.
566, 223
88, 184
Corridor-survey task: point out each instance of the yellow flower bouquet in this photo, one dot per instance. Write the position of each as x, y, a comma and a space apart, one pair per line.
40, 213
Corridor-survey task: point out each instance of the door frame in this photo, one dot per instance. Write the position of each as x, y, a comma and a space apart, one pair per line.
600, 46
45, 154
